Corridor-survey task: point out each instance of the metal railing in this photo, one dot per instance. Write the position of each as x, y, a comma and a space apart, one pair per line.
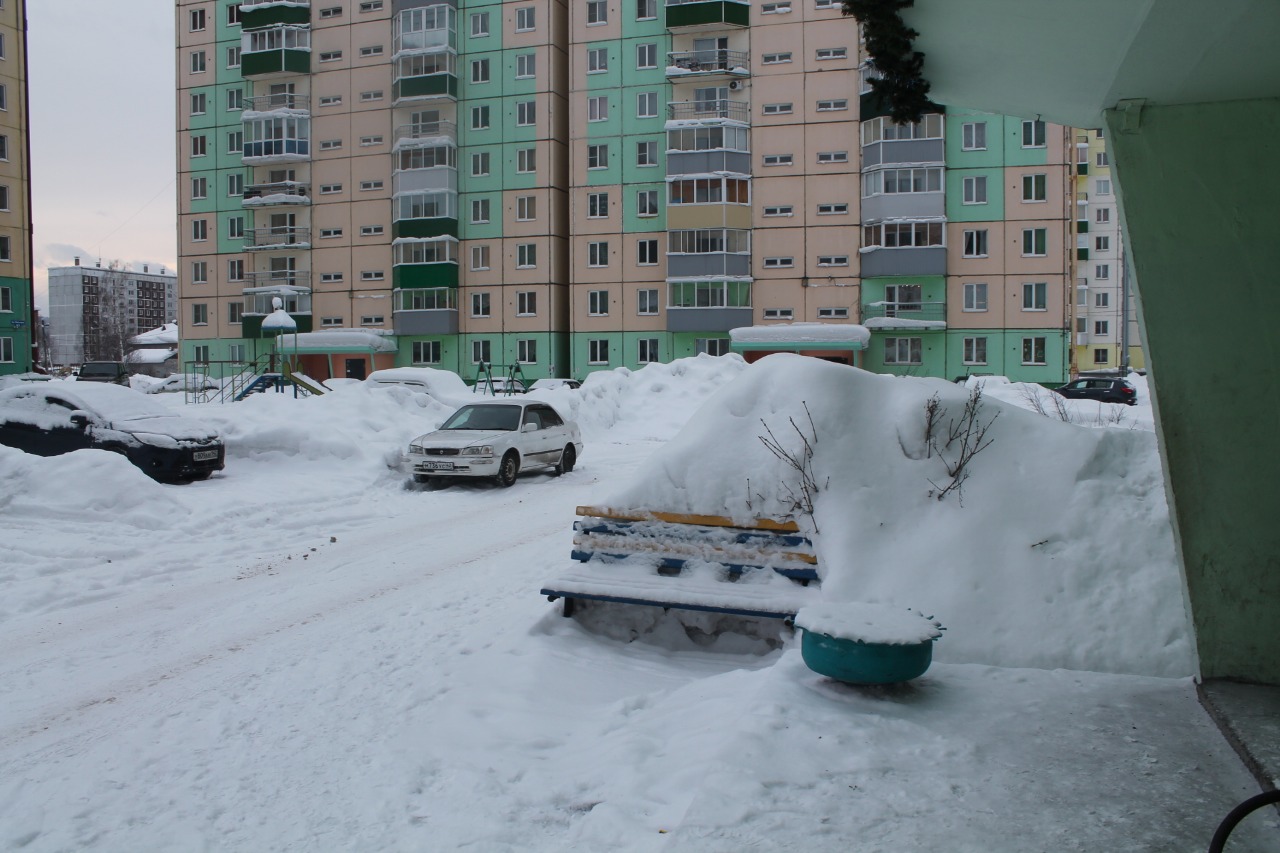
267, 278
278, 101
933, 311
427, 130
297, 192
715, 108
276, 236
717, 59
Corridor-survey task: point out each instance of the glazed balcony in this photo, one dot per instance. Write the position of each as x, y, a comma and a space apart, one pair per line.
257, 14
276, 139
426, 133
708, 64
699, 15
280, 192
425, 76
284, 101
425, 311
275, 50
719, 108
278, 237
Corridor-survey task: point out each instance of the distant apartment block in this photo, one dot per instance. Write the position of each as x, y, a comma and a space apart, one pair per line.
95, 310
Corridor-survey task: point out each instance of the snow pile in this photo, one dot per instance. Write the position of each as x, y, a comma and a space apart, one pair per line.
1056, 552
869, 623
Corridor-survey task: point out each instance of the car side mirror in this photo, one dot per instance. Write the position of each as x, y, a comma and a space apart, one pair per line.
529, 427
80, 420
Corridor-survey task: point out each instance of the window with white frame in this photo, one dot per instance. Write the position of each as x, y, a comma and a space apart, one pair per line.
479, 257
480, 117
330, 322
233, 57
331, 12
781, 7
371, 95
480, 305
197, 62
370, 186
199, 314
235, 315
597, 205
833, 156
779, 210
831, 53
479, 164
597, 156
526, 113
330, 100
598, 351
1035, 296
480, 352
833, 260
196, 22
480, 24
1102, 299
330, 144
526, 65
199, 188
833, 313
598, 254
647, 302
647, 350
1102, 186
975, 243
833, 105
903, 350
371, 6
235, 227
526, 255
331, 277
598, 302
778, 159
330, 56
646, 56
235, 142
526, 208
777, 109
647, 153
235, 269
526, 19
1035, 242
712, 346
975, 296
199, 229
200, 354
975, 351
526, 160
833, 209
646, 252
779, 262
199, 272
330, 189
235, 99
1100, 356
371, 50
199, 146
646, 10
1033, 134
885, 129
426, 352
646, 203
597, 12
597, 60
1102, 159
526, 303
233, 15
479, 211
776, 58
480, 70
647, 105
1035, 187
1102, 243
973, 136
1102, 215
975, 189
1102, 271
367, 141
1034, 350
373, 275
527, 351
370, 230
598, 108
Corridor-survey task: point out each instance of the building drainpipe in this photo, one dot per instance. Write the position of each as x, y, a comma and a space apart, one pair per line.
33, 352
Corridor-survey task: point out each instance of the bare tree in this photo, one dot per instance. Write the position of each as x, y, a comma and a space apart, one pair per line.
108, 318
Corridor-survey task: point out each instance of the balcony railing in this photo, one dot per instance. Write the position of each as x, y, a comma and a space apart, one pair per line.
929, 311
704, 61
426, 130
277, 237
279, 101
271, 279
280, 192
709, 109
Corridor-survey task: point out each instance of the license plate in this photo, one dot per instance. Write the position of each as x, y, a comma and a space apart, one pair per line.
204, 455
438, 466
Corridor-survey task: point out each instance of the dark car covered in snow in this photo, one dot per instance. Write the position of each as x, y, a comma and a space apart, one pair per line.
50, 418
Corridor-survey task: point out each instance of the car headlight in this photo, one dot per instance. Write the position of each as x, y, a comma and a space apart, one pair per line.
416, 450
481, 450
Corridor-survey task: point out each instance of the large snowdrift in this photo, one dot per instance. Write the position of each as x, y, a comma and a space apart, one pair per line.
1056, 552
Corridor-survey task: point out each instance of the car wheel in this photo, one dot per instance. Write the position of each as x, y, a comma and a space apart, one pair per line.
567, 459
507, 470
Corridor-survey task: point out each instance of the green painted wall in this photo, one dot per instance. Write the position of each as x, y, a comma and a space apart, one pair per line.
1215, 424
16, 324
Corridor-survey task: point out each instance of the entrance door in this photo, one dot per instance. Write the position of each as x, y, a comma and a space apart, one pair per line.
355, 368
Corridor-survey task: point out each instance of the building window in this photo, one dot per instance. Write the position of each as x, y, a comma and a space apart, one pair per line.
199, 272
1033, 350
973, 136
975, 296
1102, 243
330, 144
779, 210
371, 6
331, 100
647, 350
199, 146
235, 142
479, 257
712, 346
1034, 187
831, 53
597, 205
527, 160
777, 109
480, 305
480, 70
646, 56
199, 229
782, 7
1103, 186
833, 313
1033, 134
372, 275
646, 153
779, 263
526, 208
235, 311
598, 108
480, 117
235, 227
1102, 271
199, 314
235, 270
646, 10
597, 12
1102, 159
1101, 300
597, 60
370, 186
367, 141
1101, 327
197, 62
647, 105
647, 301
330, 322
372, 320
233, 57
776, 58
370, 230
777, 159
1035, 242
598, 351
372, 95
975, 189
975, 350
199, 189
525, 20
330, 233
833, 105
1100, 356
837, 209
1102, 215
598, 300
479, 164
833, 156
526, 113
527, 351
1035, 296
526, 303
372, 50
196, 19
331, 12
526, 255
903, 351
833, 260
597, 156
480, 24
897, 181
4, 147
330, 56
480, 352
975, 243
479, 211
646, 203
598, 254
526, 65
426, 352
200, 354
647, 252
330, 189
331, 277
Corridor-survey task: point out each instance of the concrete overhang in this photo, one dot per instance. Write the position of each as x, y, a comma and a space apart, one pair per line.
1067, 62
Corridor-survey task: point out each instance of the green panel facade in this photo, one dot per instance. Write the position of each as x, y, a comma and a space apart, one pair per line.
271, 16
429, 85
434, 227
425, 275
15, 326
991, 209
721, 12
276, 62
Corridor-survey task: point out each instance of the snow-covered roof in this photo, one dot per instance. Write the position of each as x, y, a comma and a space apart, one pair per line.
166, 334
816, 333
902, 323
336, 339
150, 356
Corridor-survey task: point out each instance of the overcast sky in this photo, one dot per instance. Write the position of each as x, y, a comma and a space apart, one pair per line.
102, 133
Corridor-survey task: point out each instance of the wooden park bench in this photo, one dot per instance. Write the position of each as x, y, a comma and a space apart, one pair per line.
761, 568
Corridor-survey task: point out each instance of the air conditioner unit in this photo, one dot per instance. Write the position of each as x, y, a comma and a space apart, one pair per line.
735, 84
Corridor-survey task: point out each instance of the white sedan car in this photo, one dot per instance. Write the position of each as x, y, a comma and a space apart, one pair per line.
497, 440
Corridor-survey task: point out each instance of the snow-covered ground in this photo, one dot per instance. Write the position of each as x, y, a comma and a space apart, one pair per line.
302, 653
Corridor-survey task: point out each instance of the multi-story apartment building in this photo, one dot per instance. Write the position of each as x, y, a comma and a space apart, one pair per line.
94, 311
17, 308
1106, 322
602, 183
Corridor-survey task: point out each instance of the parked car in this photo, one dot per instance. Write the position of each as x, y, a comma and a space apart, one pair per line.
103, 371
552, 383
498, 386
183, 382
497, 440
49, 418
15, 379
429, 380
1106, 390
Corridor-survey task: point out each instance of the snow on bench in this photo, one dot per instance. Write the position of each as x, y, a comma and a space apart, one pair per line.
759, 568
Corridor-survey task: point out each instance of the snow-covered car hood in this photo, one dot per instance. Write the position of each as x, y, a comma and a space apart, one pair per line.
178, 428
459, 437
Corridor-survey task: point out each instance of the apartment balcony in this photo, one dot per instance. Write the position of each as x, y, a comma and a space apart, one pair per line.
421, 77
717, 64
256, 14
739, 111
259, 302
285, 102
425, 311
910, 313
424, 263
281, 283
425, 133
433, 213
700, 15
275, 50
280, 237
280, 192
264, 152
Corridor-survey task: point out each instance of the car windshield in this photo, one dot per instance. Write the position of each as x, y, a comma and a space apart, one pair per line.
485, 417
99, 370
